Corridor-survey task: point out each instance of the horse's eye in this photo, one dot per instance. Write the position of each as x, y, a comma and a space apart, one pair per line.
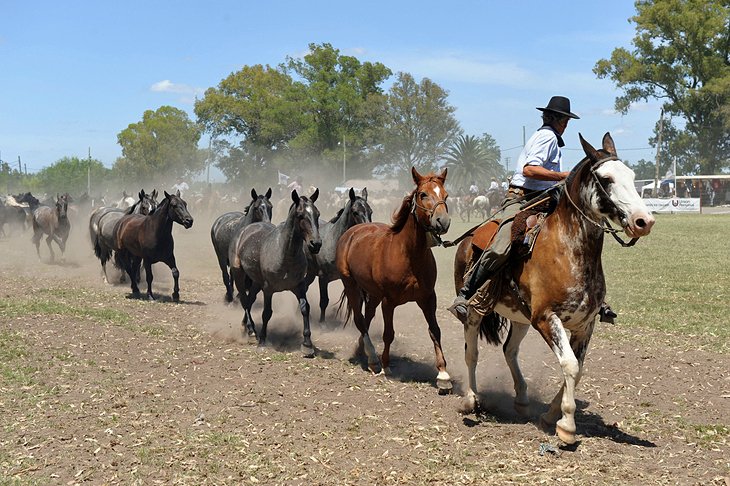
423, 195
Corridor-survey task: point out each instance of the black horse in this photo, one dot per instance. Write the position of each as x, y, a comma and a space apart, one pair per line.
273, 259
322, 264
227, 227
103, 221
148, 239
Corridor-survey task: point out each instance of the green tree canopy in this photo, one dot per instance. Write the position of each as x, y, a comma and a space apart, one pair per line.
471, 158
161, 147
419, 126
69, 174
681, 56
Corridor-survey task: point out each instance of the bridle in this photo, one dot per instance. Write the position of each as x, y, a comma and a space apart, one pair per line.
604, 225
429, 213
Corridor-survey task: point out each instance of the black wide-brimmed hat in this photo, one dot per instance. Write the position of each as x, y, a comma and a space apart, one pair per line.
560, 104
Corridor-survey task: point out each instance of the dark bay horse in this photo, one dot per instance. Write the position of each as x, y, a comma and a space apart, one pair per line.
148, 239
52, 221
561, 286
322, 265
272, 258
226, 228
394, 265
103, 221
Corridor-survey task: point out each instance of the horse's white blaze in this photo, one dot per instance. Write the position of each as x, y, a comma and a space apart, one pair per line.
622, 190
437, 191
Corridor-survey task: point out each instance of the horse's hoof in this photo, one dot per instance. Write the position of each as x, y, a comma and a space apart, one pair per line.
176, 297
445, 387
523, 409
468, 405
564, 435
252, 339
151, 298
307, 351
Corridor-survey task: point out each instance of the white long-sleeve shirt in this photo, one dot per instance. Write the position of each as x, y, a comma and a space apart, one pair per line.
541, 149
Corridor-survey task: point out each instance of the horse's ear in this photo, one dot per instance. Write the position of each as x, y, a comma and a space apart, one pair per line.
295, 196
178, 193
268, 194
588, 148
141, 194
254, 196
167, 196
58, 196
416, 176
608, 144
442, 175
364, 193
154, 194
315, 195
352, 194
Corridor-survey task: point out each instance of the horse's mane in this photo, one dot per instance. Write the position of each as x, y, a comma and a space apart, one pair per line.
400, 216
337, 216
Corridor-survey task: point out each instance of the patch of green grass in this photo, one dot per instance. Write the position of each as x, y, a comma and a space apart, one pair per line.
13, 372
13, 308
712, 433
674, 281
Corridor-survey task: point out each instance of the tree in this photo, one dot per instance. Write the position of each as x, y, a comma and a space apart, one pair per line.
681, 56
419, 125
252, 115
644, 169
346, 101
470, 158
163, 146
70, 174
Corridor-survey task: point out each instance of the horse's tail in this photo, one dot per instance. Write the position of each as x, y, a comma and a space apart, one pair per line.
491, 327
119, 259
348, 312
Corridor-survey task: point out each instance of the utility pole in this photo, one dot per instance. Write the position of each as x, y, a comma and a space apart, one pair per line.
524, 140
506, 164
658, 150
88, 175
20, 169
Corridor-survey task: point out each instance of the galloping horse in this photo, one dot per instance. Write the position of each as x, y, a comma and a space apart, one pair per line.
561, 285
225, 230
394, 265
149, 239
53, 222
322, 264
103, 221
272, 258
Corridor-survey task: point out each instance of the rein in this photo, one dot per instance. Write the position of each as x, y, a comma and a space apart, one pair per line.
435, 237
604, 225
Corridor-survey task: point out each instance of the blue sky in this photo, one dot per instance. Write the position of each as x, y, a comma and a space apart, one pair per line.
74, 74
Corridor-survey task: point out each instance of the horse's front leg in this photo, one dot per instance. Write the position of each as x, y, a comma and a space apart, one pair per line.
247, 292
148, 274
301, 293
50, 248
428, 306
324, 298
567, 352
176, 277
265, 315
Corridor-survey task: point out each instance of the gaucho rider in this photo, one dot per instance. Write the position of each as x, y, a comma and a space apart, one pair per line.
539, 168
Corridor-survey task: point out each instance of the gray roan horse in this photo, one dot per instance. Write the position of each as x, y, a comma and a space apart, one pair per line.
148, 239
272, 258
322, 265
560, 286
226, 228
52, 222
103, 221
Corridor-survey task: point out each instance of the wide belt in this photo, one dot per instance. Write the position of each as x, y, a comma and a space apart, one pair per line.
515, 191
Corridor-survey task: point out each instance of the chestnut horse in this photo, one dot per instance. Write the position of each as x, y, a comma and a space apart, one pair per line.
148, 239
561, 285
394, 265
53, 222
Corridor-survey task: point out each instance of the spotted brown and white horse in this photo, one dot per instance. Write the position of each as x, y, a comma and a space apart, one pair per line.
560, 287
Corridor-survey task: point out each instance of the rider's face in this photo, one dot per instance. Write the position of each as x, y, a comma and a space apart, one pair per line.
562, 124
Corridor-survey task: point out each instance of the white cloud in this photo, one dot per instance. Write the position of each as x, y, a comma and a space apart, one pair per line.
167, 86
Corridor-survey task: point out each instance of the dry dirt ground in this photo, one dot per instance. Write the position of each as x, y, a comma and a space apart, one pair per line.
99, 388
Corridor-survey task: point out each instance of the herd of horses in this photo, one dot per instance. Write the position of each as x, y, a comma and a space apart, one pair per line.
557, 287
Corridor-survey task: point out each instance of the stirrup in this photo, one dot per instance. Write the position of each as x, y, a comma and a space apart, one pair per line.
460, 309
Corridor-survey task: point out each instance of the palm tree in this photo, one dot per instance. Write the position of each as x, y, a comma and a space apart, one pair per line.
469, 158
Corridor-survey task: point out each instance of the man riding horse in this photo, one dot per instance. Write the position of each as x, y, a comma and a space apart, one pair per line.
539, 169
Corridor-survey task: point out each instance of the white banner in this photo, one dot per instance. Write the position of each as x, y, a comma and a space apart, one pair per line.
673, 205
